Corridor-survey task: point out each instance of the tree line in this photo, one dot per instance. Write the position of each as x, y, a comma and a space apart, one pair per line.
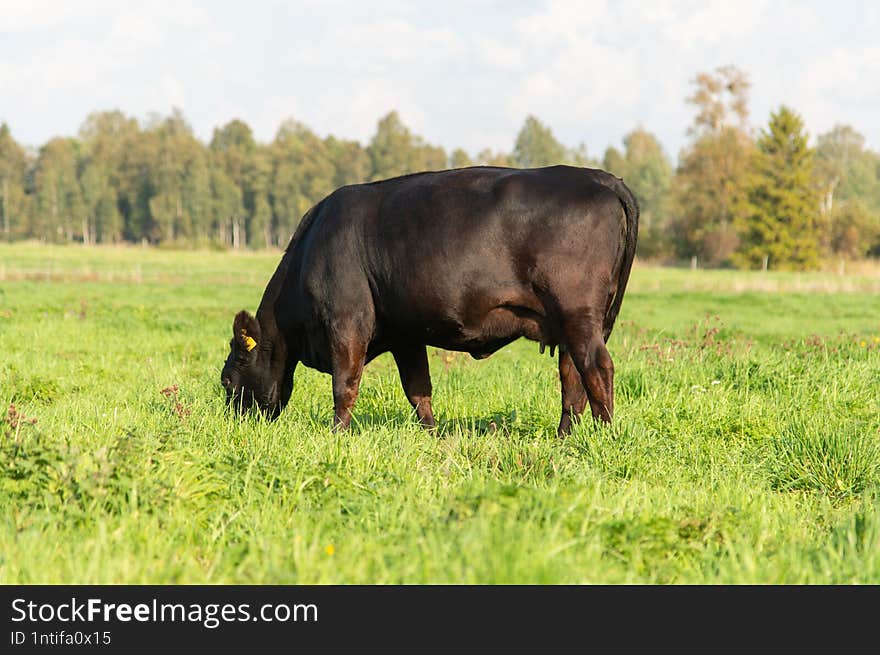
737, 196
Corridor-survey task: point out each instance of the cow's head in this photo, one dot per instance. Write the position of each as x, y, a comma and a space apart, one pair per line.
247, 374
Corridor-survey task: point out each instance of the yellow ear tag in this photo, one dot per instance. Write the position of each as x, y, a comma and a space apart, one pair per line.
249, 342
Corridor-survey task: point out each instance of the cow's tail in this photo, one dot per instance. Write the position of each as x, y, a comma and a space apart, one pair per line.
630, 237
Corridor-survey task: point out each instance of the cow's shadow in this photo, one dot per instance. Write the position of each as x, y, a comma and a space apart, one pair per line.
495, 423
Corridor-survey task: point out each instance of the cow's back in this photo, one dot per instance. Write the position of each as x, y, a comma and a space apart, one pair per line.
478, 221
424, 250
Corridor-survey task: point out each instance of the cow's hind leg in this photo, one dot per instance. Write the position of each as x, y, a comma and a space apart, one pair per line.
593, 361
348, 366
574, 398
415, 376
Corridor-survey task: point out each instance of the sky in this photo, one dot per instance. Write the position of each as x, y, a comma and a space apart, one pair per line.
461, 74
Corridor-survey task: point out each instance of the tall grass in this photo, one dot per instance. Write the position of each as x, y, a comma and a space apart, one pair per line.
745, 448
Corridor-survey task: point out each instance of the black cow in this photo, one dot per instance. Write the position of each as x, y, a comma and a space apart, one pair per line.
468, 259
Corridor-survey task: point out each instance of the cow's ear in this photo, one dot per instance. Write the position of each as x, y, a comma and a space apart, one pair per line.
246, 331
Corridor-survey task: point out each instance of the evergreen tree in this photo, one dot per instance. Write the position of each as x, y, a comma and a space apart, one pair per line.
121, 181
779, 217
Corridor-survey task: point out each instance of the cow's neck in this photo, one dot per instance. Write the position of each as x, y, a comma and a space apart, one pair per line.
266, 317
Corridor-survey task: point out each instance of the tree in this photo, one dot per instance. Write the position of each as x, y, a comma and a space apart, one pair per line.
845, 169
123, 180
394, 150
13, 164
59, 199
256, 200
580, 157
302, 174
721, 100
459, 159
487, 157
853, 231
225, 203
234, 148
779, 220
839, 158
113, 142
647, 171
196, 196
536, 146
176, 186
848, 178
102, 221
350, 161
709, 181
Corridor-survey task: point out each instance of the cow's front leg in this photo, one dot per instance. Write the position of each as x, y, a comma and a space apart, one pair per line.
415, 376
348, 365
574, 397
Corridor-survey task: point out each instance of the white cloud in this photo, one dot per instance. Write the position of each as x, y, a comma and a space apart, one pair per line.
462, 74
274, 109
496, 54
136, 31
17, 16
104, 56
380, 47
716, 21
834, 88
605, 66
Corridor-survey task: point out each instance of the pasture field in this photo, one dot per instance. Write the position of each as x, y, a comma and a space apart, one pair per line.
745, 448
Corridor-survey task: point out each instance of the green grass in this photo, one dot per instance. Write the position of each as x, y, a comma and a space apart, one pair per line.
745, 449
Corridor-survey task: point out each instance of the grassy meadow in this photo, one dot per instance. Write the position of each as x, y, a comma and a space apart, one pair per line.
745, 448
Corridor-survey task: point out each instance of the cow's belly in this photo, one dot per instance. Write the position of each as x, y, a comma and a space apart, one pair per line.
483, 333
